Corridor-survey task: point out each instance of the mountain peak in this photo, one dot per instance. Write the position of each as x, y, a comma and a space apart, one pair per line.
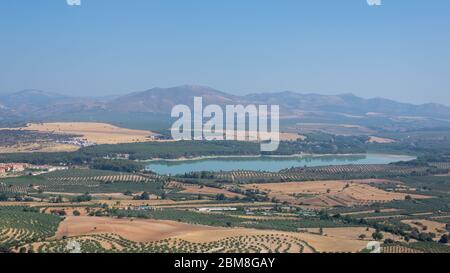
310, 106
161, 100
348, 95
33, 94
36, 92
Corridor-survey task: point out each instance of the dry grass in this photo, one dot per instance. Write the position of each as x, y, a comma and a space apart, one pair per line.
139, 230
84, 211
374, 139
136, 230
99, 133
427, 226
330, 193
43, 147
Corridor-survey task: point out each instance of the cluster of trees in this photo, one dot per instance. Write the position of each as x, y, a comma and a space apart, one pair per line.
16, 197
172, 150
426, 142
199, 175
377, 235
420, 236
444, 239
117, 165
3, 197
82, 198
322, 143
58, 199
144, 196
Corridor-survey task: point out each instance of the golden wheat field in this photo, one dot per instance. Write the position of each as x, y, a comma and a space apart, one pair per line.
98, 133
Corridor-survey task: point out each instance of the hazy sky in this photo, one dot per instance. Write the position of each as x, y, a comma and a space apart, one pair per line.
400, 50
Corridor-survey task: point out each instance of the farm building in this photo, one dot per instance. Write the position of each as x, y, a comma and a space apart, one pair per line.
13, 167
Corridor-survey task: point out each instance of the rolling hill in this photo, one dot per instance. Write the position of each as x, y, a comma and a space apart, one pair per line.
297, 107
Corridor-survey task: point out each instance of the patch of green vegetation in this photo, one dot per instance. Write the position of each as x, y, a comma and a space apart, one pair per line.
81, 181
80, 173
117, 165
430, 247
295, 225
429, 142
22, 225
408, 207
317, 143
431, 185
23, 180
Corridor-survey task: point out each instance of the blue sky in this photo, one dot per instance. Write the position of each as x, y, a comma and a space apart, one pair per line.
400, 50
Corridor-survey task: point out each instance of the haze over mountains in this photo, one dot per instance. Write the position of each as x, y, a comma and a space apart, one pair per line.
346, 108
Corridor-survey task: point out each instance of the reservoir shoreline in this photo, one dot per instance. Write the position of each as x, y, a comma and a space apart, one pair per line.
303, 155
266, 163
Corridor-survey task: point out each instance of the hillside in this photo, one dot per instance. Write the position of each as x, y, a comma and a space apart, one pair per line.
296, 107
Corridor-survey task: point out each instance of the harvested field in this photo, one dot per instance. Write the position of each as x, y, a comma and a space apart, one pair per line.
152, 235
427, 226
330, 193
137, 230
98, 133
374, 139
42, 147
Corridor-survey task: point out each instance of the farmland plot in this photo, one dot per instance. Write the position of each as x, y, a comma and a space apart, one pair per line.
329, 193
20, 225
328, 173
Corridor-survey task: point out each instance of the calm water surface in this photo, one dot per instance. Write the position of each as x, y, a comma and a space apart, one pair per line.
272, 164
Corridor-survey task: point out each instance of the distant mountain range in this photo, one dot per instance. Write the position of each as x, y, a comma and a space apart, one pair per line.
345, 108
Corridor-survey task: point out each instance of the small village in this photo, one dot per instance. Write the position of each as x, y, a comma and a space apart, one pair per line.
12, 169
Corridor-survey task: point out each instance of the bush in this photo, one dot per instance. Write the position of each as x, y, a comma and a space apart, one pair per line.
83, 198
444, 239
378, 236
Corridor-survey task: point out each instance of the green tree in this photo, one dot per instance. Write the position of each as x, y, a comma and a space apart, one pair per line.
145, 196
220, 197
378, 236
3, 197
444, 239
